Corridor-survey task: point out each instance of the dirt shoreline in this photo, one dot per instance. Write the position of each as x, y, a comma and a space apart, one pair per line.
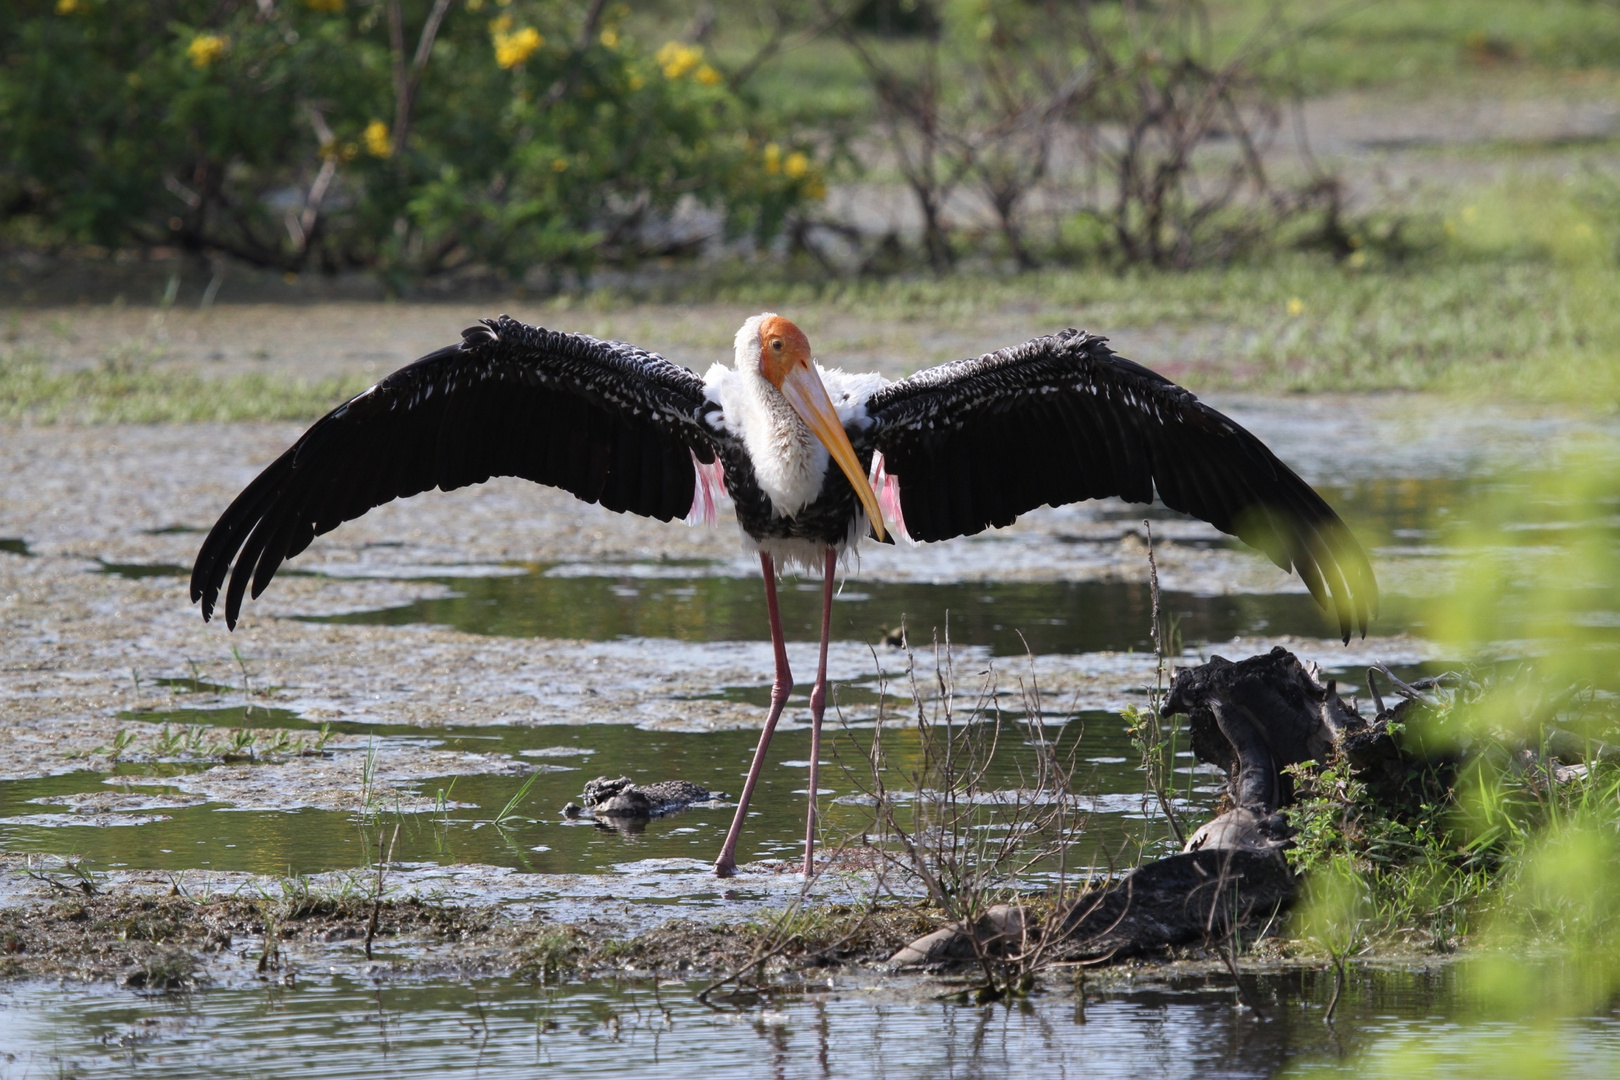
178, 943
155, 938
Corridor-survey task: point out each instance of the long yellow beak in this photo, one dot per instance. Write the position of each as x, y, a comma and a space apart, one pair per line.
804, 391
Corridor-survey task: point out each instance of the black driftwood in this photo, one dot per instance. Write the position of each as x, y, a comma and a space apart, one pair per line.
1251, 718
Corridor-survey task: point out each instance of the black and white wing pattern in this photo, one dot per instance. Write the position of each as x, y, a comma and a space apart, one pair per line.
604, 420
975, 443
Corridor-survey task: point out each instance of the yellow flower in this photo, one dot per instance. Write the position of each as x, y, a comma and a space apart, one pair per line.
378, 144
66, 7
511, 49
500, 24
678, 59
637, 82
205, 49
330, 7
559, 165
1296, 306
475, 5
1357, 260
610, 38
796, 165
708, 76
773, 158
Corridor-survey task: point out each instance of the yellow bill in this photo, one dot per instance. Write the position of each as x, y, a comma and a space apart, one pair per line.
805, 392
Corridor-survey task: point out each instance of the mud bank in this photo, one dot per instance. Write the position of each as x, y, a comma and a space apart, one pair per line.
184, 933
150, 931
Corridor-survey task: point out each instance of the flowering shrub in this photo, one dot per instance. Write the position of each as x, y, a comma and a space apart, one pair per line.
319, 134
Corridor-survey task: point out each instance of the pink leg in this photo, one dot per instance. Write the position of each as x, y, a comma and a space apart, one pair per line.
818, 705
726, 864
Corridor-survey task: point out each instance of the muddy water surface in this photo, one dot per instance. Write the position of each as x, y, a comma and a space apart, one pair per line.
336, 1026
422, 664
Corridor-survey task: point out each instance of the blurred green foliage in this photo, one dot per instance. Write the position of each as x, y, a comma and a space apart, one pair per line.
1523, 855
1425, 46
411, 136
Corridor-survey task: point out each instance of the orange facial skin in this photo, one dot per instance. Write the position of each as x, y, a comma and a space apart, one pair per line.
782, 346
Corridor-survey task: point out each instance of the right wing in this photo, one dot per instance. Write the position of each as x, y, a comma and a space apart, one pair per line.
601, 419
974, 444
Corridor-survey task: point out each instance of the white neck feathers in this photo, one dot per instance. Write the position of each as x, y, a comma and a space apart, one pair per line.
789, 462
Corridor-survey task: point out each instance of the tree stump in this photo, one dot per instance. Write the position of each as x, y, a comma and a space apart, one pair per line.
1252, 719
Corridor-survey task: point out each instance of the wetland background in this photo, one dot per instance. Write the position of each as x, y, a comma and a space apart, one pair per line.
219, 220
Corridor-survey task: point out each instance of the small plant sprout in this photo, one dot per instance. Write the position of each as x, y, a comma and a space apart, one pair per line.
72, 869
1334, 917
121, 742
242, 743
241, 663
1158, 749
441, 802
370, 801
377, 896
509, 811
196, 677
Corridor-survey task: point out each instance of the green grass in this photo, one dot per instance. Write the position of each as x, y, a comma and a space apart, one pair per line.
1425, 45
30, 390
1522, 329
1522, 861
1505, 292
1525, 330
1467, 863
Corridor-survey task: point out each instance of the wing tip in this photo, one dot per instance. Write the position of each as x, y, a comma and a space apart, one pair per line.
485, 332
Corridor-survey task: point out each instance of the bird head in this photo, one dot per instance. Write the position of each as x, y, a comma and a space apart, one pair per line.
783, 348
784, 359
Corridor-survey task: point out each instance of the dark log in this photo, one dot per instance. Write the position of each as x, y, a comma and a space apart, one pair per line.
1255, 717
1185, 897
1252, 719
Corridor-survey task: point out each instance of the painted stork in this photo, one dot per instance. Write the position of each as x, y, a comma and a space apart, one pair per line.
811, 458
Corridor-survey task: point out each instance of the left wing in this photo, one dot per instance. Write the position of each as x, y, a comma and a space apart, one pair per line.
607, 421
1059, 419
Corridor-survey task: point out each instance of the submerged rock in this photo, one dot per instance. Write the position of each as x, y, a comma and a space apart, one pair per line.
622, 798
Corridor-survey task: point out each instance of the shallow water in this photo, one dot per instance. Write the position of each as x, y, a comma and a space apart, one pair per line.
539, 839
327, 1024
169, 828
335, 1026
1009, 618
